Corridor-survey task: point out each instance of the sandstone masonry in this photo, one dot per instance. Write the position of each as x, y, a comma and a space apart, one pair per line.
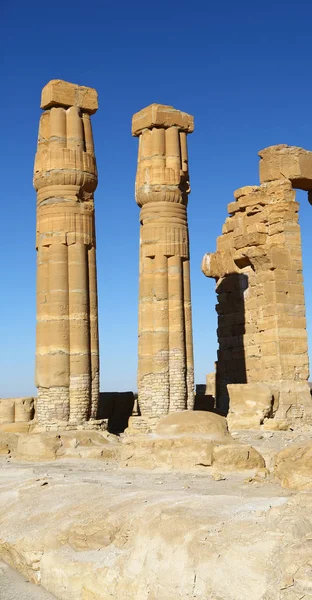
166, 369
65, 177
261, 307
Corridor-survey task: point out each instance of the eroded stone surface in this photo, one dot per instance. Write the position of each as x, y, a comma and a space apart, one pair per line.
170, 536
258, 271
63, 93
16, 410
65, 178
250, 405
189, 440
293, 466
166, 369
47, 446
193, 422
286, 162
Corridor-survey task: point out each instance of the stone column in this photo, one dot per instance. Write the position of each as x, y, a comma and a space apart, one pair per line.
166, 368
65, 177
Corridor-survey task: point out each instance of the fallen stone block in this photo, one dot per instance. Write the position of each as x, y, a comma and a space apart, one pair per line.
293, 466
37, 446
237, 457
250, 405
198, 422
181, 453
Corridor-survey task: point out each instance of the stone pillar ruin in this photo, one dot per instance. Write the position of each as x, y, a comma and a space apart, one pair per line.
65, 177
261, 308
166, 369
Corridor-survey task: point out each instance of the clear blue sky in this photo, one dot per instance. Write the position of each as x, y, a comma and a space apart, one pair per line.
243, 69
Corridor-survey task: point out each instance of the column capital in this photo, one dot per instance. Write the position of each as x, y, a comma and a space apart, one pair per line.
160, 115
62, 93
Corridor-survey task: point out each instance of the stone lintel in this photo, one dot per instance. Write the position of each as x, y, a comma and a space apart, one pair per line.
286, 162
218, 264
63, 93
159, 115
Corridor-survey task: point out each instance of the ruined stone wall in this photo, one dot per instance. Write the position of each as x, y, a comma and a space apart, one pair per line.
261, 308
65, 177
17, 410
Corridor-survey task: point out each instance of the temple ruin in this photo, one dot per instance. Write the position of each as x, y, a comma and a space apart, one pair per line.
195, 500
262, 367
166, 368
65, 178
261, 308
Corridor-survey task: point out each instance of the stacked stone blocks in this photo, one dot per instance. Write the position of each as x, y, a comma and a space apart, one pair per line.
166, 369
65, 177
258, 269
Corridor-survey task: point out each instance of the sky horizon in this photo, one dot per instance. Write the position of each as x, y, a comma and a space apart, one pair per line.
234, 66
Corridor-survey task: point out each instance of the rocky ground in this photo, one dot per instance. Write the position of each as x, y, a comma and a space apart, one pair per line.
14, 586
89, 529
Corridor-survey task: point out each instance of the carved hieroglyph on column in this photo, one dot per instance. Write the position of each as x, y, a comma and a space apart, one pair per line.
65, 177
166, 369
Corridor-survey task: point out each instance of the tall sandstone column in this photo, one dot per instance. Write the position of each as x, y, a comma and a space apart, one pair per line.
166, 368
65, 177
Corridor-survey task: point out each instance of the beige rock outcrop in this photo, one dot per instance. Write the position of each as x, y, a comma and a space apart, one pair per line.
98, 532
261, 308
195, 422
166, 370
189, 440
293, 466
188, 452
8, 442
37, 446
66, 444
65, 177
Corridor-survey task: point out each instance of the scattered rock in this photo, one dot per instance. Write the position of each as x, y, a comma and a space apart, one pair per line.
196, 422
236, 457
293, 466
218, 477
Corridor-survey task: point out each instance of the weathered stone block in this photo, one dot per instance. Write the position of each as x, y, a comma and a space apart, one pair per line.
245, 190
179, 453
7, 410
24, 409
63, 93
286, 162
158, 115
250, 405
250, 239
218, 264
37, 446
193, 422
293, 466
237, 457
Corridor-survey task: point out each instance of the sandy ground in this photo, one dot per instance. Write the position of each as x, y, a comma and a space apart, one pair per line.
14, 586
89, 525
72, 471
